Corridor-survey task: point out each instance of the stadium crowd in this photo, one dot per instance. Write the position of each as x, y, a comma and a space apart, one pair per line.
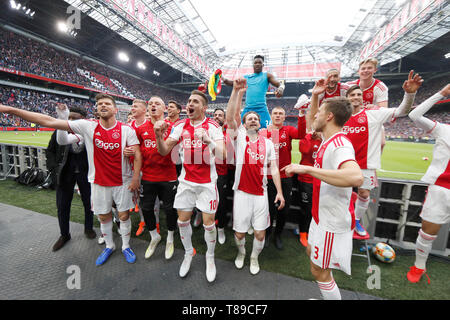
27, 55
37, 102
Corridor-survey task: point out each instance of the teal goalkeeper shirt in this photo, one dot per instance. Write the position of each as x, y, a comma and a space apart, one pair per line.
258, 84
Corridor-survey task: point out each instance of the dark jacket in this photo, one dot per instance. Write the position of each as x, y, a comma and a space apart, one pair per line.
62, 162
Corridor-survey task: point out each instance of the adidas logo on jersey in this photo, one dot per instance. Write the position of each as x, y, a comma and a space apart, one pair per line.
150, 143
145, 133
98, 134
107, 146
348, 129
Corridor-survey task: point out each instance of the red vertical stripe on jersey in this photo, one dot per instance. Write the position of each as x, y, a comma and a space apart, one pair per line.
444, 179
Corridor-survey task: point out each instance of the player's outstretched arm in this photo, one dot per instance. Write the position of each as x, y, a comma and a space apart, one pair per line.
348, 175
417, 114
34, 117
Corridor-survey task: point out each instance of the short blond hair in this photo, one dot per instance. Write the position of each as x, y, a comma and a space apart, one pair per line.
140, 101
373, 61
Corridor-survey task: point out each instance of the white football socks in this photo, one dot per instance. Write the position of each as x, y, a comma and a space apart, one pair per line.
329, 290
106, 229
424, 244
240, 244
361, 206
257, 247
186, 235
125, 232
210, 238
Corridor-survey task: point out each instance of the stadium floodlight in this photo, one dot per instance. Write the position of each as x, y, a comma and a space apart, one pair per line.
28, 11
123, 57
156, 73
13, 4
141, 65
32, 14
447, 55
366, 36
62, 27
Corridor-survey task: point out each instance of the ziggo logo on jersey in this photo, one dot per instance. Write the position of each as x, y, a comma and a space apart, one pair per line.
254, 155
348, 129
150, 143
107, 146
188, 143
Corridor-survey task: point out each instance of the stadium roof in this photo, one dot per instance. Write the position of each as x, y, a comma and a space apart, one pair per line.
187, 41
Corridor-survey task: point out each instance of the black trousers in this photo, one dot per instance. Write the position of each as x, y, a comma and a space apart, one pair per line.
275, 214
221, 213
165, 191
304, 201
64, 196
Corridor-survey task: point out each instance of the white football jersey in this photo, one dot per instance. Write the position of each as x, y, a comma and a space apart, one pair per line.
438, 172
330, 207
107, 164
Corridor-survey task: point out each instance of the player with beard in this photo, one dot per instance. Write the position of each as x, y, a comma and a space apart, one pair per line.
201, 140
105, 141
255, 154
334, 86
258, 84
334, 173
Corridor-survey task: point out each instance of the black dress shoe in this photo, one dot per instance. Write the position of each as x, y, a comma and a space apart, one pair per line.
60, 242
90, 234
278, 242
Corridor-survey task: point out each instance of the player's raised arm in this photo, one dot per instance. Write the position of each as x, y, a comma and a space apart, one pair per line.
410, 87
233, 114
417, 114
319, 88
34, 117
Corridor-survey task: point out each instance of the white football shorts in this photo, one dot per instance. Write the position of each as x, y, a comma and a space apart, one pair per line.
330, 250
250, 210
436, 208
103, 197
203, 196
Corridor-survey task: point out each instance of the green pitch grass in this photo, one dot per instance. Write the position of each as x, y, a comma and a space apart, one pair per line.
291, 261
39, 139
400, 160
